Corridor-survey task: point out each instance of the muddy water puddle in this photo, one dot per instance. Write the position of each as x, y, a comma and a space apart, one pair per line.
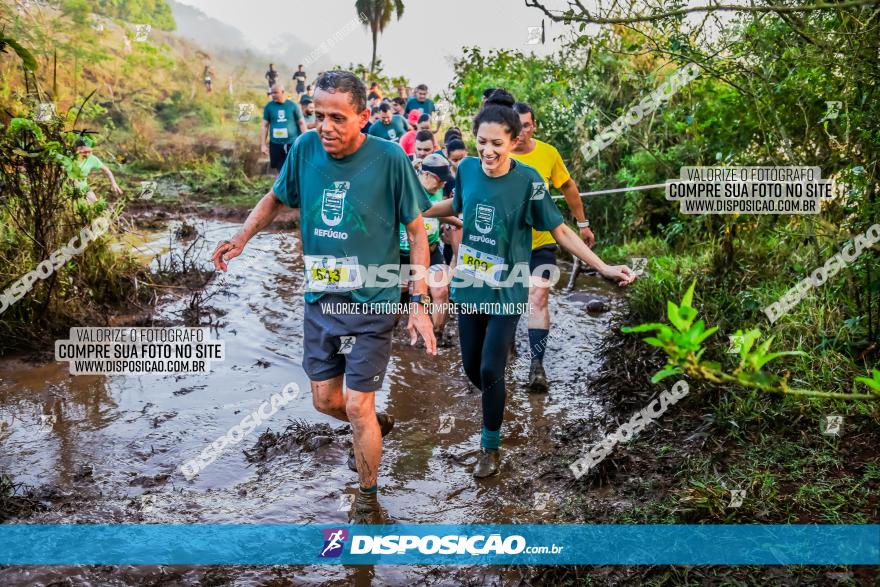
106, 449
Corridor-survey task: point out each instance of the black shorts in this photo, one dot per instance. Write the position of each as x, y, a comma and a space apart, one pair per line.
545, 255
356, 345
436, 258
277, 154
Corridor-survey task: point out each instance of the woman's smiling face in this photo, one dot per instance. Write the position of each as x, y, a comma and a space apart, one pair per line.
494, 144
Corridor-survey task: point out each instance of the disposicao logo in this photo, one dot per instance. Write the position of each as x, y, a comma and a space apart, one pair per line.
334, 542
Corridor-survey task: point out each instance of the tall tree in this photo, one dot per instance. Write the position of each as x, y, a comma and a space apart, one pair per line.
377, 14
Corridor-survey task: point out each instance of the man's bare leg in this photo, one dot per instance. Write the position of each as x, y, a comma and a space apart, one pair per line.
361, 409
327, 397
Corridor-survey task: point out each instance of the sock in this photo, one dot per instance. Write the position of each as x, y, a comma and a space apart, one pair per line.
538, 342
373, 489
490, 439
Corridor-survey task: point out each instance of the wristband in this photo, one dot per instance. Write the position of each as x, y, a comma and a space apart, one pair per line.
584, 224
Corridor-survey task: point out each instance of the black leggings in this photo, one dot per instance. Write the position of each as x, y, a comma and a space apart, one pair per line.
485, 341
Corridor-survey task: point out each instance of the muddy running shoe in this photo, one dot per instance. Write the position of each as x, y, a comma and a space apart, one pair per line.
386, 424
537, 378
488, 463
366, 509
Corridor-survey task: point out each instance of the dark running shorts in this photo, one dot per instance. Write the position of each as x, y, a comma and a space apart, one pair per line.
357, 345
277, 154
545, 255
436, 258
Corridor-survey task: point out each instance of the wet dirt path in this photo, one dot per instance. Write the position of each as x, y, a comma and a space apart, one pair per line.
105, 449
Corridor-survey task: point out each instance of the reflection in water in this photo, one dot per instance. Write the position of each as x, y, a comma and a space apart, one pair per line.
133, 432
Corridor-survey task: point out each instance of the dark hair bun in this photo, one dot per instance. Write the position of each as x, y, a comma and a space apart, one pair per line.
455, 144
501, 97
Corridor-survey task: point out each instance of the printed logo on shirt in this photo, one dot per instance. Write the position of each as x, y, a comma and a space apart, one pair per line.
333, 203
392, 134
282, 116
539, 190
484, 219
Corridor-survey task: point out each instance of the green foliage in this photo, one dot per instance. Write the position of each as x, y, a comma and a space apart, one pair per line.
873, 382
27, 59
178, 106
153, 12
683, 345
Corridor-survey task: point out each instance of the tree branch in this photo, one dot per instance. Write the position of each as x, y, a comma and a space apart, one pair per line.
586, 17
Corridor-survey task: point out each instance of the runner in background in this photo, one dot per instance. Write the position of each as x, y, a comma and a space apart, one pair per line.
403, 92
375, 89
282, 123
548, 163
271, 76
420, 101
374, 116
389, 126
398, 103
454, 150
347, 186
408, 140
307, 105
207, 76
424, 146
88, 162
501, 201
433, 174
299, 78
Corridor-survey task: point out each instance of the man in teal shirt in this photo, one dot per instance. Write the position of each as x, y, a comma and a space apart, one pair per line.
282, 123
390, 126
420, 101
352, 191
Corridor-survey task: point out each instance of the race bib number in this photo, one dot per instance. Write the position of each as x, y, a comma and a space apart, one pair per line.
325, 273
432, 226
479, 264
279, 133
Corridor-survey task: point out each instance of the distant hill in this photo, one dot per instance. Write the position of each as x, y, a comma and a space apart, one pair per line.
226, 43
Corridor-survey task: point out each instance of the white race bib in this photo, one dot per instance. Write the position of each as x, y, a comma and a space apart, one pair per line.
479, 264
279, 133
326, 273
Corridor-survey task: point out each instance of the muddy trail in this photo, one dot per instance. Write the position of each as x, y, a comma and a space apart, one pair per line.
106, 449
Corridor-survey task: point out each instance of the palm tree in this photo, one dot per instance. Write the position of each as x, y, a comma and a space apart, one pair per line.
376, 14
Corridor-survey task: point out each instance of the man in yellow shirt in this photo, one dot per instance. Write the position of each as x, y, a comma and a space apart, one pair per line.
547, 160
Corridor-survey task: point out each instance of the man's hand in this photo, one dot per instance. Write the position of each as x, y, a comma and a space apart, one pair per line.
227, 250
587, 236
264, 149
116, 189
419, 324
622, 274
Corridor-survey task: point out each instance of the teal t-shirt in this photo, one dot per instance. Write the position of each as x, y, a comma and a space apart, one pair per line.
86, 166
348, 210
432, 227
389, 132
427, 107
498, 216
283, 121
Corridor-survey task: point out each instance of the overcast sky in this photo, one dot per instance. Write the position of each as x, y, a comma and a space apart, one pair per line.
419, 46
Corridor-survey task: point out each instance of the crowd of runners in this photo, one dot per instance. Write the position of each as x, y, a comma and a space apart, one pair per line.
376, 189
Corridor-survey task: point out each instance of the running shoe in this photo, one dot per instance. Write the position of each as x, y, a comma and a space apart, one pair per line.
537, 378
366, 509
488, 463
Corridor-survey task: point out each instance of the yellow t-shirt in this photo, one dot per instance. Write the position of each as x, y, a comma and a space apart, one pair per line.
547, 160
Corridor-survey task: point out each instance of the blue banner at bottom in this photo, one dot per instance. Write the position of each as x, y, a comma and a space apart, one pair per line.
264, 544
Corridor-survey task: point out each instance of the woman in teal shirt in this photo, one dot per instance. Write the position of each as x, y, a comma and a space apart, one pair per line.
501, 200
